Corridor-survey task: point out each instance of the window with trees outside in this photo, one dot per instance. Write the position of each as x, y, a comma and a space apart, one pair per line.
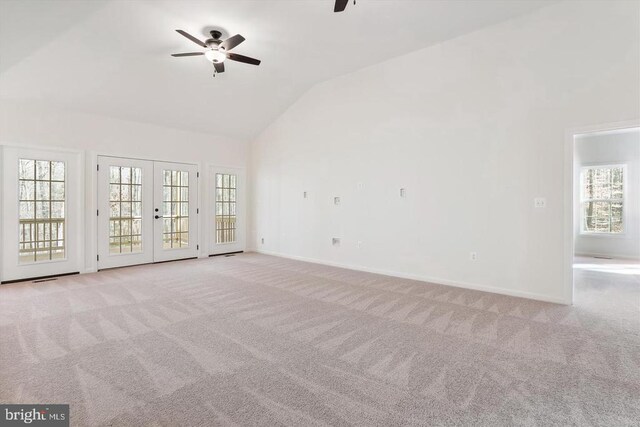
42, 210
125, 217
602, 199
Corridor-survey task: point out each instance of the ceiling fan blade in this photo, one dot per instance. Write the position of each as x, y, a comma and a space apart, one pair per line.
190, 37
242, 58
177, 55
340, 5
219, 66
231, 42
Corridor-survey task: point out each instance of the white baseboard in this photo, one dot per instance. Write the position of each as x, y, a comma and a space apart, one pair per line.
612, 256
435, 280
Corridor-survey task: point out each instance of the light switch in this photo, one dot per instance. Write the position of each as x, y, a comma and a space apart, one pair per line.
336, 200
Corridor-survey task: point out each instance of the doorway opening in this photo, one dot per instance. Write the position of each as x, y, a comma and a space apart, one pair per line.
605, 230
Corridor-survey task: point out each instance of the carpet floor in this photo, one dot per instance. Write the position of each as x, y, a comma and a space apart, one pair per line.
260, 340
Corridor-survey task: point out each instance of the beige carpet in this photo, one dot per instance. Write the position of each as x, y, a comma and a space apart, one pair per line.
259, 340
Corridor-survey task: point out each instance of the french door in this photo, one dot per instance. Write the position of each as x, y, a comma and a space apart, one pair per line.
42, 220
175, 226
147, 211
125, 212
227, 210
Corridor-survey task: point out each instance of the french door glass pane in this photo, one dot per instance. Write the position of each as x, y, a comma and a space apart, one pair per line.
125, 210
225, 208
175, 209
41, 201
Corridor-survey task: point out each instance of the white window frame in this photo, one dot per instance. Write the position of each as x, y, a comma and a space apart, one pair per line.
12, 269
584, 168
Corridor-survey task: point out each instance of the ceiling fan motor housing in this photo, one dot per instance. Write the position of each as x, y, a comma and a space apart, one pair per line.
213, 43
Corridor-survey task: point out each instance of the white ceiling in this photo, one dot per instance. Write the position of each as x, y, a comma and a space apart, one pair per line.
112, 58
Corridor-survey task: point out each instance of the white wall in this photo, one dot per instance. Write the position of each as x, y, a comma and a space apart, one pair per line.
26, 125
474, 129
611, 148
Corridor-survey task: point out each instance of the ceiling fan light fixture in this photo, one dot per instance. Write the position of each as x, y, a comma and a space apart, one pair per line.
215, 56
216, 51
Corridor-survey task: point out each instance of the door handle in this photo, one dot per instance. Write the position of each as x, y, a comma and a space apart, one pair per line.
158, 216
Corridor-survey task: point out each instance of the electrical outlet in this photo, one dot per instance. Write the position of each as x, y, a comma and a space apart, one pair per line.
335, 241
262, 240
540, 202
336, 201
304, 194
403, 192
359, 244
473, 256
360, 186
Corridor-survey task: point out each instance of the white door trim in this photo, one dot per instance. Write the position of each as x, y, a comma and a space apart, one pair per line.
91, 194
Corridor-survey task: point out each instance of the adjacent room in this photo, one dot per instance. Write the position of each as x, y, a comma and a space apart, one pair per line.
607, 220
320, 212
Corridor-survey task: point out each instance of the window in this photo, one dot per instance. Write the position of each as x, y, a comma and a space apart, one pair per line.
42, 210
125, 216
175, 209
602, 199
226, 208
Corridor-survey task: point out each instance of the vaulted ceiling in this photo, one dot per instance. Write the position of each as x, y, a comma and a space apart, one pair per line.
112, 58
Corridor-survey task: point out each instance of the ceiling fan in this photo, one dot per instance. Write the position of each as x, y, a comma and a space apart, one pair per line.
217, 50
341, 4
